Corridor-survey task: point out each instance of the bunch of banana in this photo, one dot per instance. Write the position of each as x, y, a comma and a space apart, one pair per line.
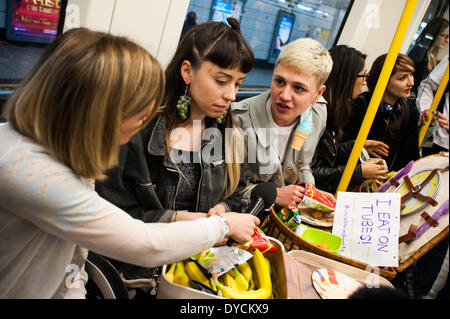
195, 273
262, 276
186, 271
180, 277
241, 282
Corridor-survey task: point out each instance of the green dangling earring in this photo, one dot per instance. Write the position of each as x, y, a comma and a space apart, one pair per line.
221, 117
183, 104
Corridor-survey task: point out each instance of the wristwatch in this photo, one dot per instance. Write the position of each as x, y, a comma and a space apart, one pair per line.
225, 223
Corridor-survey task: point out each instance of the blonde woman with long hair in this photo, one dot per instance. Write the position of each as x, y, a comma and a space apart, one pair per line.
89, 93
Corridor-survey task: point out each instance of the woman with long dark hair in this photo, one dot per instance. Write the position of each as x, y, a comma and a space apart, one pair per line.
396, 121
345, 83
180, 167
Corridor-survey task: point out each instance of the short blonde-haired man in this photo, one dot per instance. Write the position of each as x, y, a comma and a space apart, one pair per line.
269, 120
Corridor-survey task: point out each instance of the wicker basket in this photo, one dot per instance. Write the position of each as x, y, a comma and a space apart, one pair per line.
274, 227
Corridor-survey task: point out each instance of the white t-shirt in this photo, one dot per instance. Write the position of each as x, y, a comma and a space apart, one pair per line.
283, 132
46, 210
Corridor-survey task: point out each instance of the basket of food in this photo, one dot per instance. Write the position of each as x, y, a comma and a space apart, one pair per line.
275, 274
259, 277
308, 228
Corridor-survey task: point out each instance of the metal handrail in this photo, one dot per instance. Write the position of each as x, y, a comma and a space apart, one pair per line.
377, 94
437, 98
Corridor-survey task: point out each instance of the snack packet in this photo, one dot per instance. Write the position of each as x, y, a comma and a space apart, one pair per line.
258, 241
219, 260
290, 216
315, 199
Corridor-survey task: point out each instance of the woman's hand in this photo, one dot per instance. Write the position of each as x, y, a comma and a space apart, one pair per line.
242, 226
443, 121
376, 148
373, 170
329, 196
290, 194
217, 209
184, 215
423, 118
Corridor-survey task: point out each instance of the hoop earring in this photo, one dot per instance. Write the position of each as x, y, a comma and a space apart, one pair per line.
183, 104
221, 117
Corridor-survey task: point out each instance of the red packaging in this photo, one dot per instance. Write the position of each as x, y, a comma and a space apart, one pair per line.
258, 241
316, 199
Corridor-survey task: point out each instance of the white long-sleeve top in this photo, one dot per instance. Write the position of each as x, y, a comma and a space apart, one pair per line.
426, 92
45, 210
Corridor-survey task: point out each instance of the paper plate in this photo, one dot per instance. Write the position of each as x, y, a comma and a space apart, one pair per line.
331, 284
306, 214
412, 204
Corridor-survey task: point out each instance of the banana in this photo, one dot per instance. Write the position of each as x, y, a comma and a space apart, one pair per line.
232, 293
180, 276
246, 271
229, 281
251, 284
170, 272
240, 280
195, 273
262, 270
268, 265
264, 282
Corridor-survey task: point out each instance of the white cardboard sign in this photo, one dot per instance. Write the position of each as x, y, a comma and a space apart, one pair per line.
369, 225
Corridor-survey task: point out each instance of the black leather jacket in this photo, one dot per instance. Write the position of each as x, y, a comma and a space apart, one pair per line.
145, 181
403, 144
330, 160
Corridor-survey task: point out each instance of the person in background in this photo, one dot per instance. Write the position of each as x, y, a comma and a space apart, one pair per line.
177, 167
427, 89
87, 94
424, 53
189, 23
395, 123
270, 120
344, 84
432, 269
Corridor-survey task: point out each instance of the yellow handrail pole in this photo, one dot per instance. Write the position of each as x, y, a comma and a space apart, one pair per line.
434, 105
377, 94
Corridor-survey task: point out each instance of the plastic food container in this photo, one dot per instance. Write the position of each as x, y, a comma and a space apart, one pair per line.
323, 239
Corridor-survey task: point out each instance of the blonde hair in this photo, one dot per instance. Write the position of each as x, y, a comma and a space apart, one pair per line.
75, 99
307, 55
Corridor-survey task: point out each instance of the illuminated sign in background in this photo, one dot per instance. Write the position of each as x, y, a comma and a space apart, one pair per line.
33, 20
282, 34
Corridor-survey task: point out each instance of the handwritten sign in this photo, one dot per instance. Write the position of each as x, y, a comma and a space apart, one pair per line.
369, 225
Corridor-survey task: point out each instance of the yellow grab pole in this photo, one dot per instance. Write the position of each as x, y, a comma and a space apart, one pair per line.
434, 105
377, 94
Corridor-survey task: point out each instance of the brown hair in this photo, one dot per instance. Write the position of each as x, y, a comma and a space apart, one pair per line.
75, 99
402, 63
224, 46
